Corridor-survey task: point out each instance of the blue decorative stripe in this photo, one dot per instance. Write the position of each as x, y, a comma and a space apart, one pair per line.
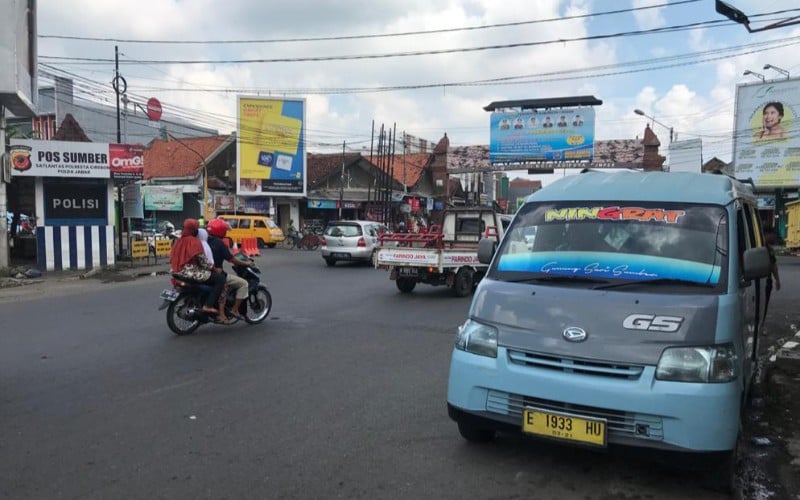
57, 248
73, 247
65, 251
41, 255
87, 244
103, 247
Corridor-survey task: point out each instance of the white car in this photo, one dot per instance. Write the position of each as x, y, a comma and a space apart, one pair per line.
350, 240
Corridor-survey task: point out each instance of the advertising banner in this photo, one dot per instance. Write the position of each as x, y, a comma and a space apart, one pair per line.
541, 135
767, 133
126, 162
132, 203
270, 147
163, 198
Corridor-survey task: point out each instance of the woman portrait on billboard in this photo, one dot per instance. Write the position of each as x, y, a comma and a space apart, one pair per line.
771, 116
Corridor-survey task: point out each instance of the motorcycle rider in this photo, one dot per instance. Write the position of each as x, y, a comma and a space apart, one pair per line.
217, 229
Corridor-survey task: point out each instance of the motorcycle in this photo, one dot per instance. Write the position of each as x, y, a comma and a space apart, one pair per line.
184, 302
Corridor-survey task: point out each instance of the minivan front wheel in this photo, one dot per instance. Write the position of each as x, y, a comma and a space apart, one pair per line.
475, 434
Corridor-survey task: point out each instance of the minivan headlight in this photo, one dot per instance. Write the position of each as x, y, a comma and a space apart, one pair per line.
709, 364
477, 338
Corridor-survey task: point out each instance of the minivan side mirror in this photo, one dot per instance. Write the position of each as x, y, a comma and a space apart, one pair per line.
756, 263
486, 249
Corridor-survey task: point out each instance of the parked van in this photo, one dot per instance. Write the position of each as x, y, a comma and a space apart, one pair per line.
631, 317
266, 232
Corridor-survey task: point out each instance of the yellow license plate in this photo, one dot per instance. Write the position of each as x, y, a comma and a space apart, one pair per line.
564, 427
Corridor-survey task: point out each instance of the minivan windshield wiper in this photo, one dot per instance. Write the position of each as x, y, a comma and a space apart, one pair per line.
557, 279
656, 281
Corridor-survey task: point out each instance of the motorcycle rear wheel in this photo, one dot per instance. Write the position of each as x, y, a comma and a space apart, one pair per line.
259, 305
179, 315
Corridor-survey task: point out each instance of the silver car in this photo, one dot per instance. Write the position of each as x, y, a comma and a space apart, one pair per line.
350, 240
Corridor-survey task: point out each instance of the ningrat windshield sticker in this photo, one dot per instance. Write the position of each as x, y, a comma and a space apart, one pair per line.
610, 265
614, 213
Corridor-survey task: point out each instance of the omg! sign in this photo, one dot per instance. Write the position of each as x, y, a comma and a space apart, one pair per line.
126, 162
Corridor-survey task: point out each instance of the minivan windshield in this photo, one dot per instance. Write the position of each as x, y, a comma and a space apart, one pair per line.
615, 243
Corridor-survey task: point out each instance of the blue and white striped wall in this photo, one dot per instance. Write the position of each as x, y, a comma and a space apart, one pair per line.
74, 247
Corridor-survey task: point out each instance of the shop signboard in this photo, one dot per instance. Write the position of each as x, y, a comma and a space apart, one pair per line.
75, 202
166, 198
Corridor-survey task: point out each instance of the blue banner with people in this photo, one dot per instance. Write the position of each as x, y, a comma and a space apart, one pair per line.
565, 134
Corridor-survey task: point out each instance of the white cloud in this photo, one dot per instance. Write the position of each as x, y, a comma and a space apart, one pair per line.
649, 18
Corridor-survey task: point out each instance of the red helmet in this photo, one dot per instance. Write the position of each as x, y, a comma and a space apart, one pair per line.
217, 227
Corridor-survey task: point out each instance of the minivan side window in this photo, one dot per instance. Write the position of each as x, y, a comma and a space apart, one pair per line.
259, 224
234, 223
244, 224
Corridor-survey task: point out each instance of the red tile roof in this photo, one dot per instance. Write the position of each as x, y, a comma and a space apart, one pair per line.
320, 166
180, 157
413, 165
70, 130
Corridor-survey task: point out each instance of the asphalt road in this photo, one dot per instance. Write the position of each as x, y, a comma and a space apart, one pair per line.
339, 394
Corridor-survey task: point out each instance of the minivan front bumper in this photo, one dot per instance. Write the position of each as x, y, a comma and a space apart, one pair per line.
493, 393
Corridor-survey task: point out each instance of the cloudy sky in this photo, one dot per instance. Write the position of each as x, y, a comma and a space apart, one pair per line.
685, 78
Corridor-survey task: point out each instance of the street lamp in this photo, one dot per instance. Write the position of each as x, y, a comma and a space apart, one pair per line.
642, 113
757, 75
779, 70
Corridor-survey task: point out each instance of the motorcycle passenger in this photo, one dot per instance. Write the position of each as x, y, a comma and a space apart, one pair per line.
217, 229
188, 260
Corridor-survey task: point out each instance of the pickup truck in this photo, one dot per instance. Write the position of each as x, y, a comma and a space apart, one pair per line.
446, 254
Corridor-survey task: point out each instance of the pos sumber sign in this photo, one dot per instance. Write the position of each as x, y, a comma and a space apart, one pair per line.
82, 160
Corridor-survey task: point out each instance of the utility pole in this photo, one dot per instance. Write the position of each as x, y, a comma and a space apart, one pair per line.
116, 83
4, 257
341, 184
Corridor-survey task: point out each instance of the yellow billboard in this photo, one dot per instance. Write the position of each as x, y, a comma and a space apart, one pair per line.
271, 151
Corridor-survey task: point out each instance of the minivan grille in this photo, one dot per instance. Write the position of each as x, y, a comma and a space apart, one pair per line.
619, 423
574, 365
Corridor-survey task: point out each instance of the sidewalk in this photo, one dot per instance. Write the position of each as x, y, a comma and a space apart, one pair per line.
122, 271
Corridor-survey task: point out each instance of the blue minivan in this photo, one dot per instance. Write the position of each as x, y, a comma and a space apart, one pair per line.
619, 308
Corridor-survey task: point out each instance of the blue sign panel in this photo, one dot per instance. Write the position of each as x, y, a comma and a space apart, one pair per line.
551, 135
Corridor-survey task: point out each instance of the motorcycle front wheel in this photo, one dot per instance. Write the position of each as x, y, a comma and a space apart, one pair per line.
259, 304
180, 315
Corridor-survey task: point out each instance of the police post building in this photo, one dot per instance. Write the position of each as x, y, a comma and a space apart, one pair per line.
74, 198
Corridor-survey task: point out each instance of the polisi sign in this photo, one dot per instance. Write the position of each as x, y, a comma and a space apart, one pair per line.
126, 162
70, 202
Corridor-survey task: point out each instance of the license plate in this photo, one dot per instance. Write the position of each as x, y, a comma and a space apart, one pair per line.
564, 427
407, 271
340, 255
169, 295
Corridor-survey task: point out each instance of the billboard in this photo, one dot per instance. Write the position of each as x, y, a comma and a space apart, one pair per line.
126, 162
565, 134
270, 147
686, 156
766, 144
